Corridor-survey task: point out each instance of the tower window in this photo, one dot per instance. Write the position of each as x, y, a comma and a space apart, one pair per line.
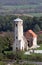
16, 37
16, 48
16, 25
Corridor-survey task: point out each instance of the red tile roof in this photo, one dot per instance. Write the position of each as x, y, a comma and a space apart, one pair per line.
31, 33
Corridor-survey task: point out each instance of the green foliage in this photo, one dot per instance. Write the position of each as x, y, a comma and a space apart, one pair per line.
1, 56
6, 42
40, 36
9, 54
34, 57
3, 43
18, 55
23, 64
36, 28
7, 24
40, 48
2, 63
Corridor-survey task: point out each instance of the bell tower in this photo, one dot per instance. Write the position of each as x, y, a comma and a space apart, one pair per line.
18, 32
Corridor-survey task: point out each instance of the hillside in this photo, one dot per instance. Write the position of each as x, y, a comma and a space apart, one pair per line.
20, 2
21, 7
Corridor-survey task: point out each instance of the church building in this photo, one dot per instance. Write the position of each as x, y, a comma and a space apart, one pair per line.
23, 41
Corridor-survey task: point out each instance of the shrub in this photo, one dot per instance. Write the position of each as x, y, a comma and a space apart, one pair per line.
2, 63
1, 56
9, 54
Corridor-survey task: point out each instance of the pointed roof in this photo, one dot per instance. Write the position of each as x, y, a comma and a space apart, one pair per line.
18, 19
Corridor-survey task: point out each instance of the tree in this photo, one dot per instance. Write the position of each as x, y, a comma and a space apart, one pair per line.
36, 28
3, 43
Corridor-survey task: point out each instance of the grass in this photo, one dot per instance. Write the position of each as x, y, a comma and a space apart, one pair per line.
2, 63
23, 64
34, 57
40, 48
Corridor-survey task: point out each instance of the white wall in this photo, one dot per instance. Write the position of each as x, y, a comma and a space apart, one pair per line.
20, 30
35, 41
19, 33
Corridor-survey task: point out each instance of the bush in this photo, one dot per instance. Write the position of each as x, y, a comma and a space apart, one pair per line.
19, 55
9, 54
14, 55
2, 63
23, 64
1, 56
